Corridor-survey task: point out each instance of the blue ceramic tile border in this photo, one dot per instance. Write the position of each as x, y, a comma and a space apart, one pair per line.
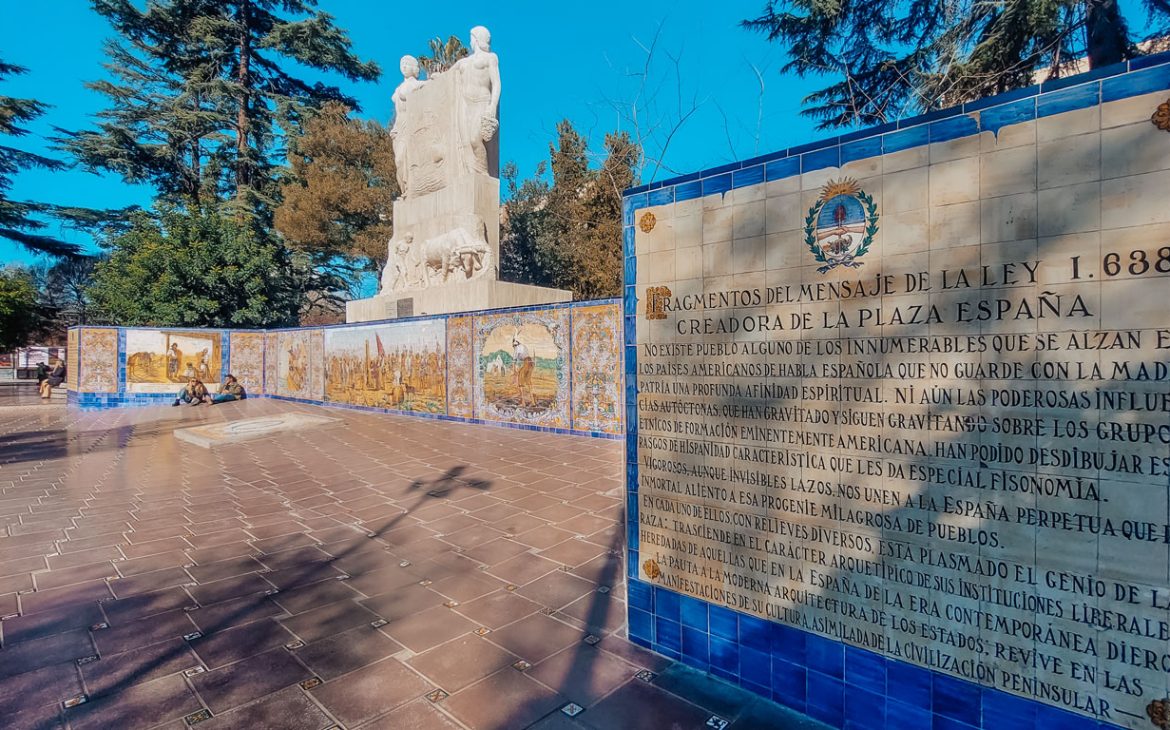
843, 686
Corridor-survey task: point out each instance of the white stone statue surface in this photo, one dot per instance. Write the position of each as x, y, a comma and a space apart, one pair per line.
444, 254
400, 133
478, 81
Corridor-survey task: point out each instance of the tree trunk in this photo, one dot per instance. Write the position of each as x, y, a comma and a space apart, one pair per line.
1106, 33
242, 115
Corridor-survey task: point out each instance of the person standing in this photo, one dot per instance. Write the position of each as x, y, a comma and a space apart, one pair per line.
524, 364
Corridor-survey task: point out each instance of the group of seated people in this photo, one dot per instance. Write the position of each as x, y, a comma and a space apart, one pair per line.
50, 377
195, 392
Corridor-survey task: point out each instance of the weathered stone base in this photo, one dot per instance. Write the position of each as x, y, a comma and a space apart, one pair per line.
465, 296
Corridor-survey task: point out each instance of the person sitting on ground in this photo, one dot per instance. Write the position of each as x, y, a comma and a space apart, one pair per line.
229, 391
55, 377
194, 393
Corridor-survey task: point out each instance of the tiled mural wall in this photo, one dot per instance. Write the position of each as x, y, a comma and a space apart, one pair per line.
898, 431
554, 368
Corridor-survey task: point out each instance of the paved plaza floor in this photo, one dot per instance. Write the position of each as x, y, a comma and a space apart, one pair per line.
379, 572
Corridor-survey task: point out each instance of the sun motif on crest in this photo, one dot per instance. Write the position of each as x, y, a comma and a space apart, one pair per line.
1161, 117
652, 569
841, 225
647, 222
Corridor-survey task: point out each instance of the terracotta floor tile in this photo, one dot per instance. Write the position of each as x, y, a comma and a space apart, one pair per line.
347, 651
402, 602
32, 655
140, 705
416, 715
235, 613
288, 709
384, 580
143, 632
556, 589
146, 582
147, 604
639, 705
47, 623
232, 645
370, 691
456, 664
327, 620
46, 686
228, 588
582, 673
535, 637
523, 569
118, 671
497, 609
429, 628
302, 598
504, 701
247, 680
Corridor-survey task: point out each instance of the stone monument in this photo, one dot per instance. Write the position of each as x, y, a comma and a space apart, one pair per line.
444, 256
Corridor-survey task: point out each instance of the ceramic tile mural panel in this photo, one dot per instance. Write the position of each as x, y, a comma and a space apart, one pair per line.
290, 369
162, 361
246, 355
72, 361
271, 362
399, 366
317, 364
522, 367
597, 369
911, 398
461, 367
99, 371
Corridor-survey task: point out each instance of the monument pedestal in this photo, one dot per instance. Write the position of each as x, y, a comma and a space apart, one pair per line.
464, 296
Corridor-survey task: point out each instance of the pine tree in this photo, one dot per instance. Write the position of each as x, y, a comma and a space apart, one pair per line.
205, 90
893, 59
336, 202
568, 234
17, 218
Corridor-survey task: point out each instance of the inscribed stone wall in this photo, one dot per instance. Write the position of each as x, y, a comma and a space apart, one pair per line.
918, 403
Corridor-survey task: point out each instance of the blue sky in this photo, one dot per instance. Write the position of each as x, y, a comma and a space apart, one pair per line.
558, 60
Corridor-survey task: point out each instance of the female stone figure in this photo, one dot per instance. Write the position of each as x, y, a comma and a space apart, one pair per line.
400, 133
478, 77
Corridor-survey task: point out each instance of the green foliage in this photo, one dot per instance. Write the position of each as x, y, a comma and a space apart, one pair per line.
17, 221
19, 314
442, 55
197, 269
205, 91
568, 234
336, 200
891, 59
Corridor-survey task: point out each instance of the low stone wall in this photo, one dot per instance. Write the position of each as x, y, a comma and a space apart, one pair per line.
555, 368
898, 437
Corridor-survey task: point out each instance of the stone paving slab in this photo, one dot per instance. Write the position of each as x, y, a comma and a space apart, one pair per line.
383, 572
